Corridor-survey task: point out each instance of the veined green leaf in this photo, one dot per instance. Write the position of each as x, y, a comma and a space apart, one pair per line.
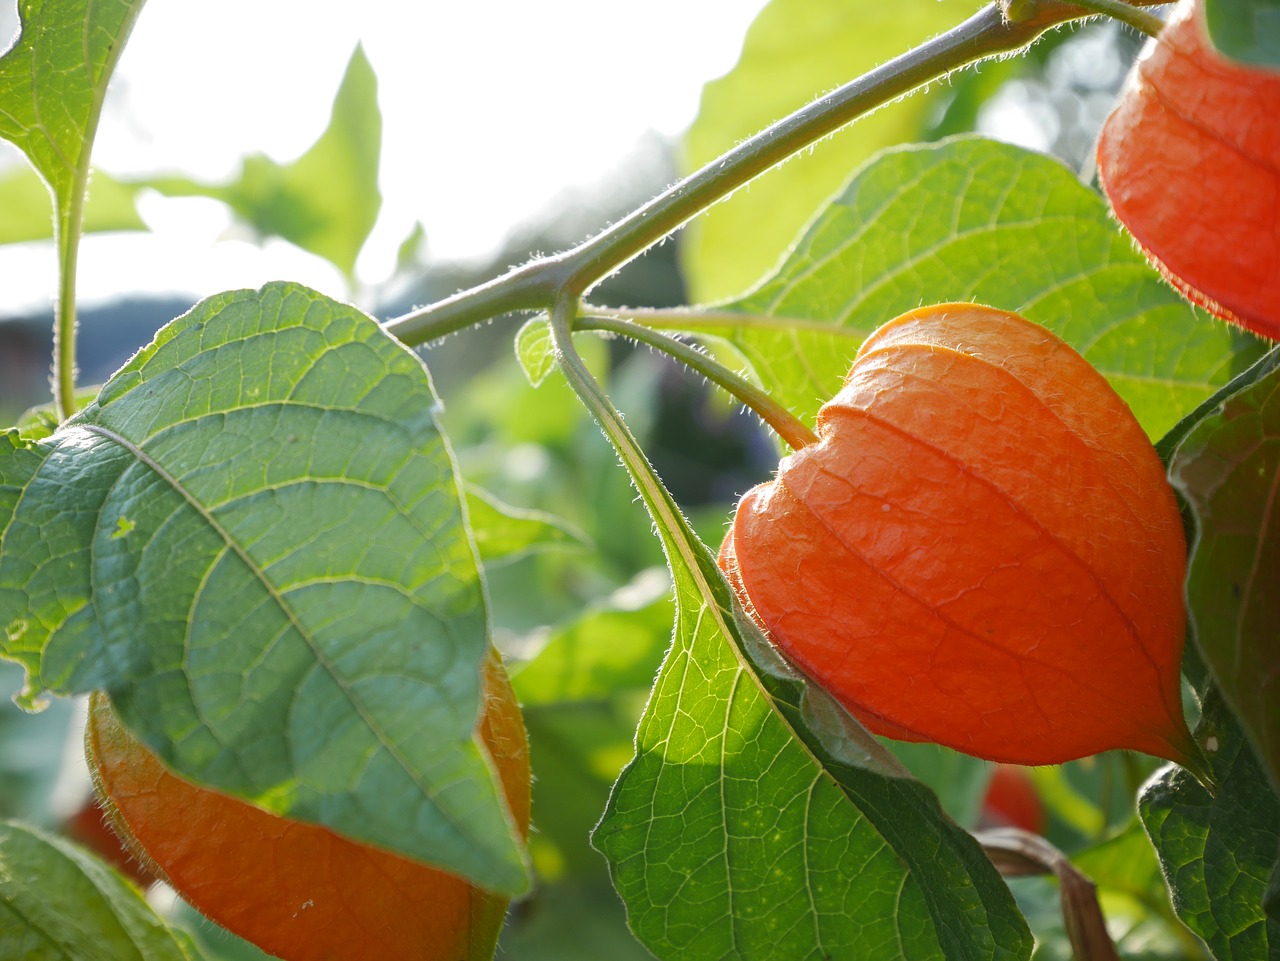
1247, 30
970, 219
327, 200
1219, 851
254, 539
59, 902
1228, 469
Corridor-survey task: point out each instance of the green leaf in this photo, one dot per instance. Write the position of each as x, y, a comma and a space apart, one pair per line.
1228, 470
1218, 851
59, 902
613, 647
52, 84
533, 350
1247, 30
970, 219
327, 200
797, 50
27, 214
254, 539
758, 818
504, 533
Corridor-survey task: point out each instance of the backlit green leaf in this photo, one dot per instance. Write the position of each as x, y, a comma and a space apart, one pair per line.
975, 220
28, 214
797, 50
254, 539
327, 200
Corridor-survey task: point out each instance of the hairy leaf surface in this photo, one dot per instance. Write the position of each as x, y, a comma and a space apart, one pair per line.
255, 540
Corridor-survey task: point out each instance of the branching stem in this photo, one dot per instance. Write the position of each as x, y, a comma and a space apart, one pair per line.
540, 283
792, 430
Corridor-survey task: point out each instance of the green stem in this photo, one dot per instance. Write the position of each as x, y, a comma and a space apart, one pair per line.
692, 319
538, 284
63, 376
1140, 20
790, 428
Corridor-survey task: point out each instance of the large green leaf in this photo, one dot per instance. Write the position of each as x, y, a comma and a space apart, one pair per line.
795, 51
757, 819
1218, 851
1228, 470
327, 200
970, 219
254, 539
1247, 30
58, 902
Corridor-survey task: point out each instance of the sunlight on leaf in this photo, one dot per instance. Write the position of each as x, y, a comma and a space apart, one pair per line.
737, 241
975, 220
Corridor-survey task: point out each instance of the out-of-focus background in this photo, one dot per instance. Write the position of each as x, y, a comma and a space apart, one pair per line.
250, 140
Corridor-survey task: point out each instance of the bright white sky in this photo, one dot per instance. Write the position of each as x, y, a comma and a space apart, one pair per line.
491, 110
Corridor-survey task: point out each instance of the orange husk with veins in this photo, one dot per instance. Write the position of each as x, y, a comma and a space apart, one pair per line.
1190, 161
981, 550
299, 890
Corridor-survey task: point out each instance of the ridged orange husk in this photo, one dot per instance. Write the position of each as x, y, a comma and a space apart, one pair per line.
1190, 161
981, 550
299, 891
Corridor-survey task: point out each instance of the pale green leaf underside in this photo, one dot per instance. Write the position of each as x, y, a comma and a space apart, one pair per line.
254, 539
58, 902
53, 80
976, 220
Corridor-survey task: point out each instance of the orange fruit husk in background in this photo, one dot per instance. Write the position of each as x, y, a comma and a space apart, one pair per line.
298, 890
981, 550
1190, 161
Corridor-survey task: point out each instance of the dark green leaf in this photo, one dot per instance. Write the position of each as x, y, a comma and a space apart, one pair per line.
57, 902
1247, 30
797, 50
975, 220
1228, 469
254, 539
327, 200
1218, 851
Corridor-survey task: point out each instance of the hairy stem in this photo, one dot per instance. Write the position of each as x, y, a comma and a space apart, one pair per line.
790, 428
1140, 20
538, 284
